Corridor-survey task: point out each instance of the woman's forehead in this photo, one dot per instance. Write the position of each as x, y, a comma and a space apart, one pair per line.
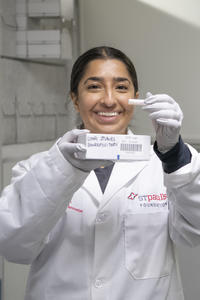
106, 67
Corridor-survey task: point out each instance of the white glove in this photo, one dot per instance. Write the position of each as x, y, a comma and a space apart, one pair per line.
166, 117
70, 149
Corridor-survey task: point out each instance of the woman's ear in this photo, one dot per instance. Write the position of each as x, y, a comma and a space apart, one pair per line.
137, 95
75, 101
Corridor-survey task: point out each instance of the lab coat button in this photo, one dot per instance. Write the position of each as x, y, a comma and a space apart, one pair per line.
99, 283
101, 217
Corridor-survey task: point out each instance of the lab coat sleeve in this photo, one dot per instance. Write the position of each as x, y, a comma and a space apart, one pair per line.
40, 191
183, 187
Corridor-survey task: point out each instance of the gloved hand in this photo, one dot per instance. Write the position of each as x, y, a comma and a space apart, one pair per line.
70, 149
166, 117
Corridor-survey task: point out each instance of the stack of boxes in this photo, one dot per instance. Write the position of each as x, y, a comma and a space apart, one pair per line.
42, 31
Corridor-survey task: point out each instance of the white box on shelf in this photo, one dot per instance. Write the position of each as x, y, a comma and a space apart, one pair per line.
44, 51
43, 36
44, 44
43, 8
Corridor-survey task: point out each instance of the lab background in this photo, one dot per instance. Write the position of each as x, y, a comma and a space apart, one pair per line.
161, 37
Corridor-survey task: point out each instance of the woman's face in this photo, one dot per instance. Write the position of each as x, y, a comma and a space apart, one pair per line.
102, 98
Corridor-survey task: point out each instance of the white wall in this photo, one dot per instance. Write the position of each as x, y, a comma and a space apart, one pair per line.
166, 52
164, 49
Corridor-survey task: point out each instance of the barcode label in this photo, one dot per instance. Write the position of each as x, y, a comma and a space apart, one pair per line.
131, 147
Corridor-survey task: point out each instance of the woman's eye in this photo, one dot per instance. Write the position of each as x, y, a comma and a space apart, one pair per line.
93, 87
122, 87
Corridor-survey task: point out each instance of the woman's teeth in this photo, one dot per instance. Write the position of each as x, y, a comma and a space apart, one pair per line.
108, 114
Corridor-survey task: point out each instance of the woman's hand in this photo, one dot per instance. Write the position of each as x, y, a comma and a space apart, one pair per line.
166, 117
70, 149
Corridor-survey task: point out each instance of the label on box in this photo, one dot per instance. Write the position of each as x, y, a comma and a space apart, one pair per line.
115, 147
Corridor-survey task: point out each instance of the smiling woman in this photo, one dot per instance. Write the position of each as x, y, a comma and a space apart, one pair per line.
104, 233
102, 97
102, 81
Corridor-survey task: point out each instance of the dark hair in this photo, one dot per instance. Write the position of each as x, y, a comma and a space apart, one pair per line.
102, 52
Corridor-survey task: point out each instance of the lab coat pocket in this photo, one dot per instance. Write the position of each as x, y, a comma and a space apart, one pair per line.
148, 250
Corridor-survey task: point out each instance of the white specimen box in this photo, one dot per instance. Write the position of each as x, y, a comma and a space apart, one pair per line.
116, 147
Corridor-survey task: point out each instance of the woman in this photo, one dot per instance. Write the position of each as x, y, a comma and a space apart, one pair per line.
106, 234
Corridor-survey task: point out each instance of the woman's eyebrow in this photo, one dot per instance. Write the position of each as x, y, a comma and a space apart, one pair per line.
94, 78
118, 79
101, 79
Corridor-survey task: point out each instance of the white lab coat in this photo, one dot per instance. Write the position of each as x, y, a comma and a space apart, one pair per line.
85, 245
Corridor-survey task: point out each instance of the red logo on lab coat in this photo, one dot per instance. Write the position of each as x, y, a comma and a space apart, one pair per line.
132, 196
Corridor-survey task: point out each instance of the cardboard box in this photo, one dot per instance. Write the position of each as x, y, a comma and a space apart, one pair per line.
116, 147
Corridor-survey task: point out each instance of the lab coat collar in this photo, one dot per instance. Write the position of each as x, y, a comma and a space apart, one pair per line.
122, 173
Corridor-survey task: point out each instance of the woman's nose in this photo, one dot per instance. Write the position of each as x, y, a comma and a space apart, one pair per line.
108, 99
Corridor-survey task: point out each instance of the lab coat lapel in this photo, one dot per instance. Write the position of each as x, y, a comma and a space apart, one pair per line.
121, 174
92, 186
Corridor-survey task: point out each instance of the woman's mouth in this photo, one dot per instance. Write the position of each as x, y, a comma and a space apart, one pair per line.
107, 116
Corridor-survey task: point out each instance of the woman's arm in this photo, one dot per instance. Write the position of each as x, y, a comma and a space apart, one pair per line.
183, 187
40, 191
181, 166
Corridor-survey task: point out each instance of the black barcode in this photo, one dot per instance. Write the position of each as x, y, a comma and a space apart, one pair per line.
131, 147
